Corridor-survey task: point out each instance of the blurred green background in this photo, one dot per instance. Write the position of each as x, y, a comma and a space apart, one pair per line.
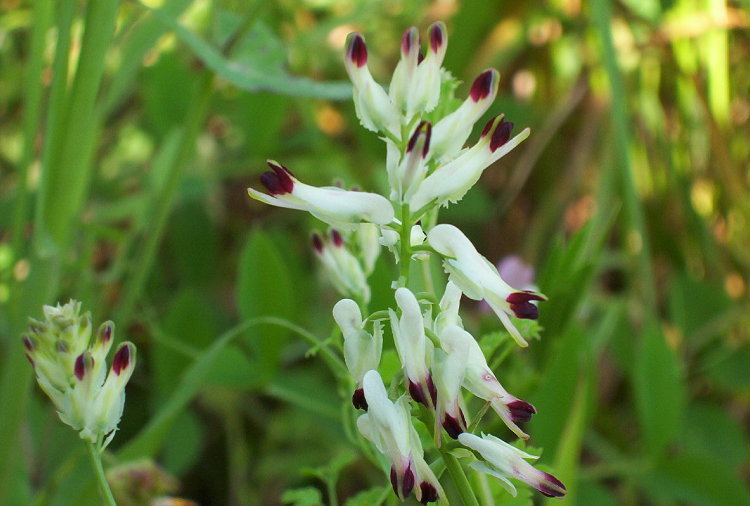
129, 135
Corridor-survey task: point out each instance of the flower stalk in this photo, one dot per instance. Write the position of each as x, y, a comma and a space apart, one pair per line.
428, 167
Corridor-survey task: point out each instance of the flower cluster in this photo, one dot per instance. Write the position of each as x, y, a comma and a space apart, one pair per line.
428, 166
72, 370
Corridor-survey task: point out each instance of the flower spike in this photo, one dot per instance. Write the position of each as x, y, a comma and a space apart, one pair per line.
479, 279
72, 370
337, 207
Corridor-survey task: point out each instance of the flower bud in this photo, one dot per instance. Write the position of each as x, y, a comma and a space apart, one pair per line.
361, 349
429, 72
451, 132
411, 171
341, 266
412, 347
374, 108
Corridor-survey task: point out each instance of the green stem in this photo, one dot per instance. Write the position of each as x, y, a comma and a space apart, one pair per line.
96, 462
459, 479
405, 240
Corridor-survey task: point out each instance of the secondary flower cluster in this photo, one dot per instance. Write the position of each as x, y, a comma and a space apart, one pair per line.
428, 167
72, 370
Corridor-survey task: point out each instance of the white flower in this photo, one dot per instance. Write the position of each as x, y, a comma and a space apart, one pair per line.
413, 347
478, 279
371, 103
505, 461
480, 380
73, 373
343, 268
450, 182
449, 370
415, 85
388, 426
451, 132
361, 349
405, 176
337, 207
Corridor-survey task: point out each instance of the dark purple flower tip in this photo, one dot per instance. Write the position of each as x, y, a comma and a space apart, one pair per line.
336, 238
28, 344
424, 128
317, 243
551, 486
488, 127
453, 426
279, 181
420, 57
409, 40
121, 359
521, 411
437, 36
520, 304
358, 399
429, 492
483, 84
431, 388
357, 50
80, 367
106, 332
419, 392
407, 482
501, 135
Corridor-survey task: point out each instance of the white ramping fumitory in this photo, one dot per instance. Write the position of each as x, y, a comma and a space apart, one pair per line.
452, 131
73, 372
505, 461
481, 381
478, 279
361, 349
343, 268
371, 103
413, 347
427, 165
339, 208
388, 426
450, 182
